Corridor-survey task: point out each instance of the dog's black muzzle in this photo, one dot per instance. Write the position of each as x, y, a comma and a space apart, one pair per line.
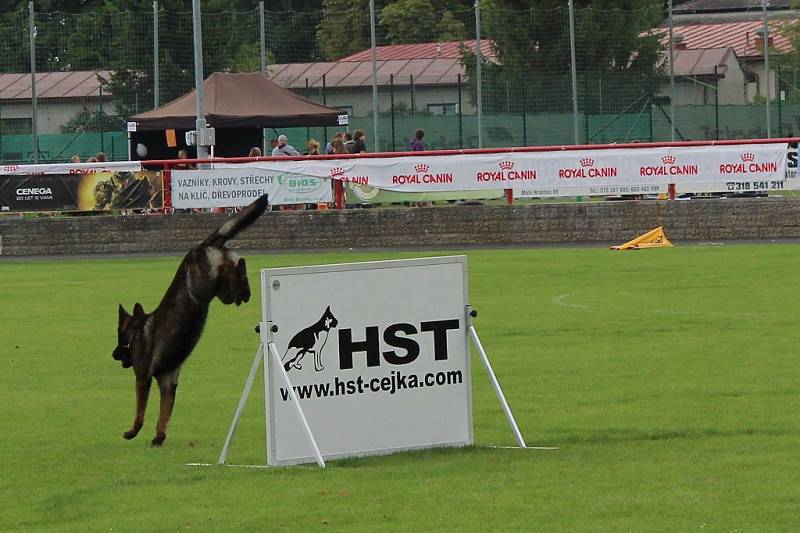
124, 355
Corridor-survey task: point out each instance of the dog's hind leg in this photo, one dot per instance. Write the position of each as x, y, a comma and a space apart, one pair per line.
168, 385
142, 393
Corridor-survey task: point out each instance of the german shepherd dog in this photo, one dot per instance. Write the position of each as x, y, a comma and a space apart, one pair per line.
156, 344
307, 340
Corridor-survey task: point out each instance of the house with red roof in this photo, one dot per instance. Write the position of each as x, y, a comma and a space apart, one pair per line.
425, 77
60, 96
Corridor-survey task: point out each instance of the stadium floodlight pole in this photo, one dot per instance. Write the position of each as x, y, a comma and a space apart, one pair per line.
374, 74
34, 110
574, 68
263, 51
766, 63
156, 67
671, 74
478, 61
200, 124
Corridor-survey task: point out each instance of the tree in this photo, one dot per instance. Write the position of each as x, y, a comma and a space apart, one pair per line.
417, 21
344, 28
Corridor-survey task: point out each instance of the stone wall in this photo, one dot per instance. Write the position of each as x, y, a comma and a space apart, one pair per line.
607, 222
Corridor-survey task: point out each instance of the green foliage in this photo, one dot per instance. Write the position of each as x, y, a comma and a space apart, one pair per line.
344, 28
88, 120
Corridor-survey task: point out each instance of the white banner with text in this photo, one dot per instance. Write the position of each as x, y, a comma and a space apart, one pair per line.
564, 173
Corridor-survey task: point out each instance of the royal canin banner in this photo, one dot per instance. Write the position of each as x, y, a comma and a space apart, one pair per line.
551, 170
70, 168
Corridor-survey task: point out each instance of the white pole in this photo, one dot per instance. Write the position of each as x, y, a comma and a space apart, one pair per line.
296, 401
263, 50
478, 61
766, 64
574, 68
671, 75
251, 377
374, 75
496, 384
200, 123
34, 110
156, 77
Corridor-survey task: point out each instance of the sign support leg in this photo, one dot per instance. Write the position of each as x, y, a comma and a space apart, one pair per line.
500, 396
242, 401
295, 400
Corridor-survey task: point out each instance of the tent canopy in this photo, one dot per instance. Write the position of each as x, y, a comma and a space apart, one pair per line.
239, 101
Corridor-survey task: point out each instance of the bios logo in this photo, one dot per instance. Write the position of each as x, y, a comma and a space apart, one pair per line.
338, 173
506, 173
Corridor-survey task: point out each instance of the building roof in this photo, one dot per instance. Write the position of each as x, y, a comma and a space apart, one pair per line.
78, 84
719, 6
741, 36
422, 64
702, 62
447, 50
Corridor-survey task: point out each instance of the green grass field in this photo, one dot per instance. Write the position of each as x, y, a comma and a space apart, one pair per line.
668, 378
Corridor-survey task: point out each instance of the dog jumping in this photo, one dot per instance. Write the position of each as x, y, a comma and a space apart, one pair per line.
156, 344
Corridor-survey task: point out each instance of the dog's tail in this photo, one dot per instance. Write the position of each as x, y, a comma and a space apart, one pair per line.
232, 227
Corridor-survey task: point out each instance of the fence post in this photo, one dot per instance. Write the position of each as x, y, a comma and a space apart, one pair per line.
374, 74
671, 74
779, 98
573, 70
34, 110
413, 95
200, 123
478, 61
308, 130
460, 117
263, 38
391, 104
716, 102
766, 63
324, 102
156, 66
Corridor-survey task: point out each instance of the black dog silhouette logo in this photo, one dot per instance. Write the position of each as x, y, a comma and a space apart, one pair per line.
310, 340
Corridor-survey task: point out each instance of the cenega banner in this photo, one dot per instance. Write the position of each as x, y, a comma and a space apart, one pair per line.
568, 172
386, 372
93, 191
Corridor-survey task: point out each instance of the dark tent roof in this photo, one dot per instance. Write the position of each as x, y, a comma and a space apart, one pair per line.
239, 101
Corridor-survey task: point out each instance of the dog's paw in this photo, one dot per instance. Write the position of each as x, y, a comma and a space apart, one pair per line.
158, 440
131, 433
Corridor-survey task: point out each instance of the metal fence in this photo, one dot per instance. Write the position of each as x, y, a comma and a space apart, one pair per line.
538, 77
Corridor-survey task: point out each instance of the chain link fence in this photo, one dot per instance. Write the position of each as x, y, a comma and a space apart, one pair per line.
480, 77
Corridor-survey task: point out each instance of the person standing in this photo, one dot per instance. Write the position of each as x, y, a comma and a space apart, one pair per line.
329, 146
284, 148
417, 145
359, 142
313, 147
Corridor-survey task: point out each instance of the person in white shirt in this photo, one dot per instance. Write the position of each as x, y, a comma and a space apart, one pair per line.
284, 148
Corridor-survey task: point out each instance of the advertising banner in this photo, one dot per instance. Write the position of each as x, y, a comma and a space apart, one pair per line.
96, 191
384, 372
550, 170
239, 186
70, 168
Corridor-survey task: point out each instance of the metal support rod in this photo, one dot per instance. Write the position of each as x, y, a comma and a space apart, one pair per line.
296, 401
34, 110
251, 377
766, 64
263, 37
374, 75
496, 384
716, 102
391, 106
200, 123
156, 67
478, 61
671, 74
574, 70
460, 117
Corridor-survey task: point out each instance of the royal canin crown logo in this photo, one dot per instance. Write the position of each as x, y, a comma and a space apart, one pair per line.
337, 171
668, 159
506, 165
587, 162
423, 168
748, 157
10, 168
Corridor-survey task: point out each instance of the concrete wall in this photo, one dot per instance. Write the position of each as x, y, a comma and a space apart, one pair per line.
601, 222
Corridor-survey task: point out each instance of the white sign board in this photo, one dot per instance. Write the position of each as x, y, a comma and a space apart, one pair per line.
377, 352
238, 187
344, 119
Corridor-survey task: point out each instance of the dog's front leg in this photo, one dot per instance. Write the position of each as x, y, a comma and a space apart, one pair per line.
168, 385
142, 393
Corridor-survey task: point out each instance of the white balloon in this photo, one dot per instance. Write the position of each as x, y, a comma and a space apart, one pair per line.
141, 150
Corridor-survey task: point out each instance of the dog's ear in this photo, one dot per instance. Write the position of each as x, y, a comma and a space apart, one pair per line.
123, 314
138, 310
